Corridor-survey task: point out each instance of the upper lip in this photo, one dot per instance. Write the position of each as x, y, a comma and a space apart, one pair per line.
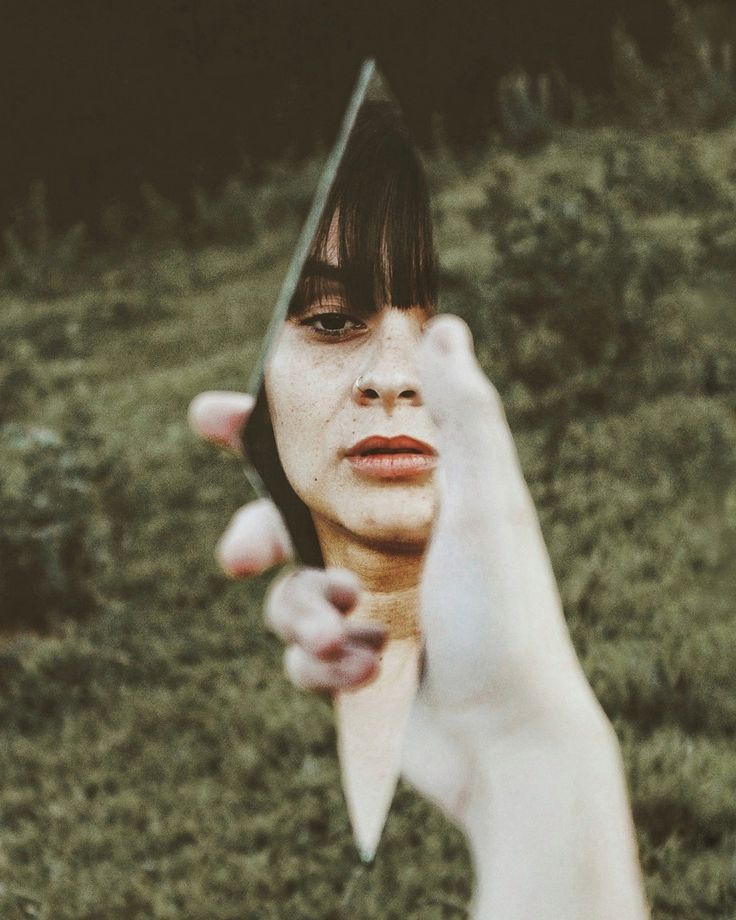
377, 443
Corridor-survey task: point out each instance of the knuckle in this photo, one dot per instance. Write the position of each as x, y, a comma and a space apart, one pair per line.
357, 669
351, 671
286, 587
296, 609
276, 606
307, 673
342, 588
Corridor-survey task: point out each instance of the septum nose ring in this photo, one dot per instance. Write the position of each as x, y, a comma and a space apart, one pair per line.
357, 388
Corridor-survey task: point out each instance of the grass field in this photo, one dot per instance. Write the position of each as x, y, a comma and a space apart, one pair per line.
155, 763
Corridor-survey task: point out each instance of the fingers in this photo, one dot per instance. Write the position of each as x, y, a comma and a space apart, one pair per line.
488, 592
306, 606
306, 609
476, 445
356, 667
255, 540
219, 417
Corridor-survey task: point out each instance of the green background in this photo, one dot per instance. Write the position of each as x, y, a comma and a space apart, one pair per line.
154, 760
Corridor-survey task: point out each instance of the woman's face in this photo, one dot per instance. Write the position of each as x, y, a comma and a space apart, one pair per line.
380, 490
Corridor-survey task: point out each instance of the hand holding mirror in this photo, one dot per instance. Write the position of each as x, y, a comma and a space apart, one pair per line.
362, 395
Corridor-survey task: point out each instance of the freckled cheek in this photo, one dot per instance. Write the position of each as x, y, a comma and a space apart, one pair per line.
304, 419
306, 387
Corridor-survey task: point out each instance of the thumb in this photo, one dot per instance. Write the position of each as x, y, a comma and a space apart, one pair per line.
478, 454
487, 567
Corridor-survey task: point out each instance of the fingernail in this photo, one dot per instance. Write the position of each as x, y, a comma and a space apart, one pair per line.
330, 648
368, 634
359, 666
230, 556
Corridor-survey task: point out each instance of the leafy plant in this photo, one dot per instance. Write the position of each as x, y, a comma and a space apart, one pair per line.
39, 261
695, 86
160, 218
525, 110
52, 536
638, 88
59, 489
652, 181
700, 74
227, 216
562, 304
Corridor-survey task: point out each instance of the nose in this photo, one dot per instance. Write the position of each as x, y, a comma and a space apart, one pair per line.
390, 375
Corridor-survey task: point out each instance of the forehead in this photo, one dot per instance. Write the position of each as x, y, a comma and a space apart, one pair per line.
331, 251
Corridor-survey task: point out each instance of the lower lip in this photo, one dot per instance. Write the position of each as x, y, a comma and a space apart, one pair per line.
392, 466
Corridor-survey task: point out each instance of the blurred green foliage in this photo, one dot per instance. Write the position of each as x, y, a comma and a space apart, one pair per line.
695, 86
155, 762
38, 260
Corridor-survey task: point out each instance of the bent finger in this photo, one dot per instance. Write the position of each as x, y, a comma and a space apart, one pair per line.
219, 417
307, 607
255, 540
355, 668
479, 457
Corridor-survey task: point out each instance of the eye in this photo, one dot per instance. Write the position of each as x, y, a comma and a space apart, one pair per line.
332, 325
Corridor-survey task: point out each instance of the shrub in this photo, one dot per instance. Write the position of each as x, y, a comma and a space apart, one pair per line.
525, 110
53, 537
286, 192
651, 180
20, 381
638, 89
40, 263
59, 488
718, 239
695, 87
563, 304
700, 74
160, 219
228, 216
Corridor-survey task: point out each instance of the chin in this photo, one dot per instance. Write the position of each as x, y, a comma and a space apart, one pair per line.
399, 524
395, 517
400, 515
396, 538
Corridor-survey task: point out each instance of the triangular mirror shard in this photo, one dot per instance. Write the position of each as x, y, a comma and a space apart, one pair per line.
361, 249
265, 471
369, 81
371, 726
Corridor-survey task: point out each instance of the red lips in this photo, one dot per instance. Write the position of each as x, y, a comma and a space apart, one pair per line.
376, 444
401, 457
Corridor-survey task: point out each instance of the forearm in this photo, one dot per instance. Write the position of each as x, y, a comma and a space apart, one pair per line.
552, 835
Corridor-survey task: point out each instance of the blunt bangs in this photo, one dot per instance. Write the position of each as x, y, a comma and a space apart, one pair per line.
380, 202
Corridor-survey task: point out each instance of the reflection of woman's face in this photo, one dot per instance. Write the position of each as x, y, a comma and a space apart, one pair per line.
380, 492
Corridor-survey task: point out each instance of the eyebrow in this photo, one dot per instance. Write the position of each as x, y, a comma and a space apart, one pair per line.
316, 269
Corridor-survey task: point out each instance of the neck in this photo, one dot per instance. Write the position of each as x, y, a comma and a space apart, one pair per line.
389, 576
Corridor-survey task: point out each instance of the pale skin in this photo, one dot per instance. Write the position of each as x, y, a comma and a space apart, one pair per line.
505, 735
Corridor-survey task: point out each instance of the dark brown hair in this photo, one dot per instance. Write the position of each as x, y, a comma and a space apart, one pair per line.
386, 257
380, 197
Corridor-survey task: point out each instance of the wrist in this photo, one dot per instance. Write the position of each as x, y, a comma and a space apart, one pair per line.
551, 831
